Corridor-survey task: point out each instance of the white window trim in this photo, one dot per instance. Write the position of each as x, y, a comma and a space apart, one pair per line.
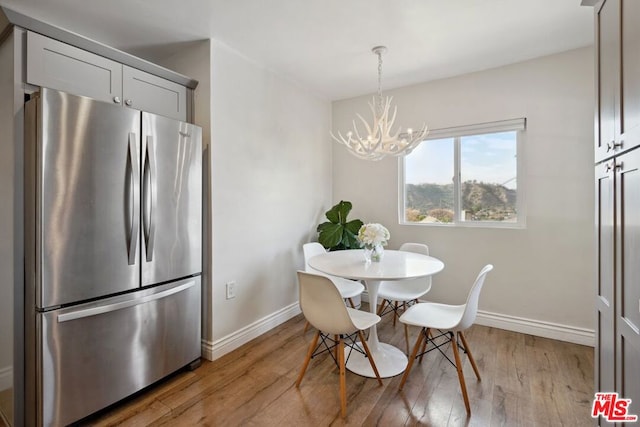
518, 125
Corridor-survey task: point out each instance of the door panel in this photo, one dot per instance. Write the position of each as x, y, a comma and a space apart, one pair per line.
88, 159
605, 292
628, 278
57, 65
172, 199
147, 92
630, 70
608, 40
95, 354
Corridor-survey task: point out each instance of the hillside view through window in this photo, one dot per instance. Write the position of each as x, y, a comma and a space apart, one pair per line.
486, 190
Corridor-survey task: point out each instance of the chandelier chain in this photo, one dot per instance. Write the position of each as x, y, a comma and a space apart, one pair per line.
379, 107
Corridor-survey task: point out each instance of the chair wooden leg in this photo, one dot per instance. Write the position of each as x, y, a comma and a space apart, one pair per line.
306, 327
381, 308
467, 349
312, 347
343, 380
369, 356
424, 345
463, 386
412, 358
395, 313
406, 338
351, 303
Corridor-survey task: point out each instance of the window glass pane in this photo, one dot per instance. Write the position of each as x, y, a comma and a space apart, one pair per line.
488, 169
429, 182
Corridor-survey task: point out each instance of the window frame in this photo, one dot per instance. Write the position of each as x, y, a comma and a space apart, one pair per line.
456, 133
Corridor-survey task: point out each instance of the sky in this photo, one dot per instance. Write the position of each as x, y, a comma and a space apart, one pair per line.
489, 158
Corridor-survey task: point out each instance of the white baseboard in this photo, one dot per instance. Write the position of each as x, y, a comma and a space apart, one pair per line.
218, 348
6, 378
538, 328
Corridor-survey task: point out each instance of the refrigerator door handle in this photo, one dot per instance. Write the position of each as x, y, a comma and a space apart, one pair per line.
94, 311
135, 189
150, 198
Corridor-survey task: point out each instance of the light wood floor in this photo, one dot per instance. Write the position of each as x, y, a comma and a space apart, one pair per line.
526, 381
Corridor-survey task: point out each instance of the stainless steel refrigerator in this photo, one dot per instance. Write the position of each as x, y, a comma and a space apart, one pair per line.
113, 204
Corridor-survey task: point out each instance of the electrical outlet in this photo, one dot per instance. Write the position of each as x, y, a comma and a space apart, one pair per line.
231, 290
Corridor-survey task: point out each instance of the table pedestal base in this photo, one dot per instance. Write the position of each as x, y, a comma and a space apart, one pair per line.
389, 360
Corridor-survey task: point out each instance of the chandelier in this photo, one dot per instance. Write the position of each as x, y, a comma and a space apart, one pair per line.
379, 140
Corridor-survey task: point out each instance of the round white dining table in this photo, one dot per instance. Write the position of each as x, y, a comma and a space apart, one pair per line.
395, 265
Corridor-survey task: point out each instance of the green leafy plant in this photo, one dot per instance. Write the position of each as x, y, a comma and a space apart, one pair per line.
338, 234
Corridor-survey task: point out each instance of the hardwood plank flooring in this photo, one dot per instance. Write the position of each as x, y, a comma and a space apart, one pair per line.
526, 381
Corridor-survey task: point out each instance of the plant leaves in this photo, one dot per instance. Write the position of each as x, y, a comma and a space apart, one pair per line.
338, 213
343, 210
354, 226
330, 234
350, 240
338, 234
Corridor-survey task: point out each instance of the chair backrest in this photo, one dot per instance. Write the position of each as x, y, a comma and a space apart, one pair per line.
322, 304
418, 248
310, 250
471, 307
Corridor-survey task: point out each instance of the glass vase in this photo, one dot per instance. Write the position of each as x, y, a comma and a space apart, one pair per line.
373, 252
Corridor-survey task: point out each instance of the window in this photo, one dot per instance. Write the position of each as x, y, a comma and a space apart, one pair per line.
486, 159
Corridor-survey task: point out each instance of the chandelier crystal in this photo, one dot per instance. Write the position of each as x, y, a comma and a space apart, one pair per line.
378, 139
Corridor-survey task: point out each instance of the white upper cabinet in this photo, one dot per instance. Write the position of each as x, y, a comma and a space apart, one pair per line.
60, 66
146, 92
57, 65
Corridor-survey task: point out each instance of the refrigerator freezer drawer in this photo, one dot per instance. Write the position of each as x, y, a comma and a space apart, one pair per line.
95, 354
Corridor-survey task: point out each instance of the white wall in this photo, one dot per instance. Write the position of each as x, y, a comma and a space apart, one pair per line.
269, 171
271, 182
544, 273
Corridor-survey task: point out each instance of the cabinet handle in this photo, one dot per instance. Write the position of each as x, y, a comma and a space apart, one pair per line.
128, 102
608, 167
116, 99
613, 145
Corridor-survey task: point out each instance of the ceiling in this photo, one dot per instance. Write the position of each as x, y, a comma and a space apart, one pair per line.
325, 45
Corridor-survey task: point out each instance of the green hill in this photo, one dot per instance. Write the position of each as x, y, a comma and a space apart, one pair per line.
480, 202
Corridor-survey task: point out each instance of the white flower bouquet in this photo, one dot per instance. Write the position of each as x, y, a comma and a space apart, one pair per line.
372, 238
373, 234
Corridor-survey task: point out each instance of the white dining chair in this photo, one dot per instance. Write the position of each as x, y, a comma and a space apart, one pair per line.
451, 321
397, 295
348, 289
336, 325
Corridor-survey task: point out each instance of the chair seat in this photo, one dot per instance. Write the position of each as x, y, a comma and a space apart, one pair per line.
403, 290
433, 315
363, 319
347, 288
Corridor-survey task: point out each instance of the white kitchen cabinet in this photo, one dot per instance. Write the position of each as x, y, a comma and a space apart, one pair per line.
146, 92
57, 65
617, 156
60, 66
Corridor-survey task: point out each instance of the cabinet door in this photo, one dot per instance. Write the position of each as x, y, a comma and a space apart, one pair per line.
605, 292
628, 278
146, 92
607, 73
630, 72
57, 65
